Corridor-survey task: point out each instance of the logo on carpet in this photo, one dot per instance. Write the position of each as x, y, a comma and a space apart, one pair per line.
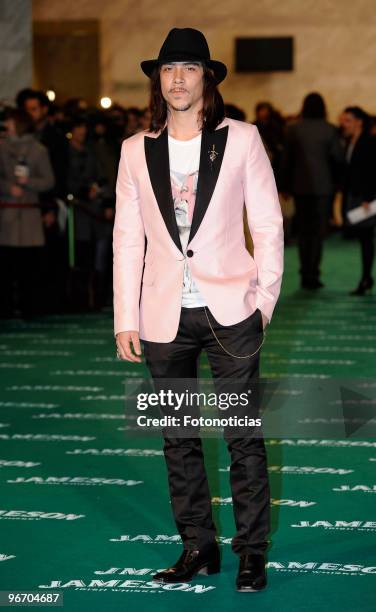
6, 557
300, 469
17, 463
74, 480
47, 437
224, 501
37, 515
136, 584
339, 525
358, 487
122, 452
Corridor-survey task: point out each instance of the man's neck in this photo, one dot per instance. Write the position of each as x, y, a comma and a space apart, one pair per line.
355, 137
76, 144
183, 125
41, 124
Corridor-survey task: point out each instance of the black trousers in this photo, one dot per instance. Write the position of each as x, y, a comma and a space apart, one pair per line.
312, 216
23, 265
188, 485
364, 232
366, 237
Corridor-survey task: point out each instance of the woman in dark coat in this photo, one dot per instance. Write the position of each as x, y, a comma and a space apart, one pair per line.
359, 187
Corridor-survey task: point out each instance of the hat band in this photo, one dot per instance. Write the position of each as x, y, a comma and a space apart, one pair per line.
180, 55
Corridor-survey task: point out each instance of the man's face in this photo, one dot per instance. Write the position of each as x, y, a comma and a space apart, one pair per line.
182, 84
10, 126
36, 111
263, 114
350, 124
79, 133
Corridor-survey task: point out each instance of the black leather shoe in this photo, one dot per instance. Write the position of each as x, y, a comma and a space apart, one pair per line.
191, 562
252, 574
365, 285
313, 284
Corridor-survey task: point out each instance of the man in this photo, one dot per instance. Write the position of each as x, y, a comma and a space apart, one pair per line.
37, 105
55, 266
83, 178
182, 185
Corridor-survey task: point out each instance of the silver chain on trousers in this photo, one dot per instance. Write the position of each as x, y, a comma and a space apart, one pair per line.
228, 352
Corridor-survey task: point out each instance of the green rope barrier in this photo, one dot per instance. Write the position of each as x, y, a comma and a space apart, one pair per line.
71, 253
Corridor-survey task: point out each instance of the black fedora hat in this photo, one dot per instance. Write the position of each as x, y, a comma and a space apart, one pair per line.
185, 44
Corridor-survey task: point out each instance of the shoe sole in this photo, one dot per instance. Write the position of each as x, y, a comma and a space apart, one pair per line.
249, 589
203, 571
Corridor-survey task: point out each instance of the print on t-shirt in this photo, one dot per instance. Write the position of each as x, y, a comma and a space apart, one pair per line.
184, 188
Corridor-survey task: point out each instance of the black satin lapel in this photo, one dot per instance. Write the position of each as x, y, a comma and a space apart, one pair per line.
157, 160
213, 145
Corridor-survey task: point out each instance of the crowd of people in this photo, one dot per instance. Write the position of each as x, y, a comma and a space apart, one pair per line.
58, 170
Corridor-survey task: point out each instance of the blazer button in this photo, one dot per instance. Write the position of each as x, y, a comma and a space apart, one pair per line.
190, 253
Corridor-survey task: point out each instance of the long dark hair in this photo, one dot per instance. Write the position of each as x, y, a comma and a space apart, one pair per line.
213, 111
313, 107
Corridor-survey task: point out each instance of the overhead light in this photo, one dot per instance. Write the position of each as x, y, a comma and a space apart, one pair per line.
106, 102
51, 95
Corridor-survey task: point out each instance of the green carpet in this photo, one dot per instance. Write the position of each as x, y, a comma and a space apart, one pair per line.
85, 510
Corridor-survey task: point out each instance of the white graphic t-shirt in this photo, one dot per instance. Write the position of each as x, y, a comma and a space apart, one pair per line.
184, 164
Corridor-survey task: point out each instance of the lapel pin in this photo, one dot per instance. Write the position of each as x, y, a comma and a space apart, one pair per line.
213, 154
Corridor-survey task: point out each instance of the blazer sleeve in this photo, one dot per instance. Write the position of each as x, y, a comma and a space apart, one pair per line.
128, 249
265, 223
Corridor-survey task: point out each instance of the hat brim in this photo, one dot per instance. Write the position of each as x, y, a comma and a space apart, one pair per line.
219, 69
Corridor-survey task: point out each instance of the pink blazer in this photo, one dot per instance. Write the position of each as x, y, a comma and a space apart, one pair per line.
148, 274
